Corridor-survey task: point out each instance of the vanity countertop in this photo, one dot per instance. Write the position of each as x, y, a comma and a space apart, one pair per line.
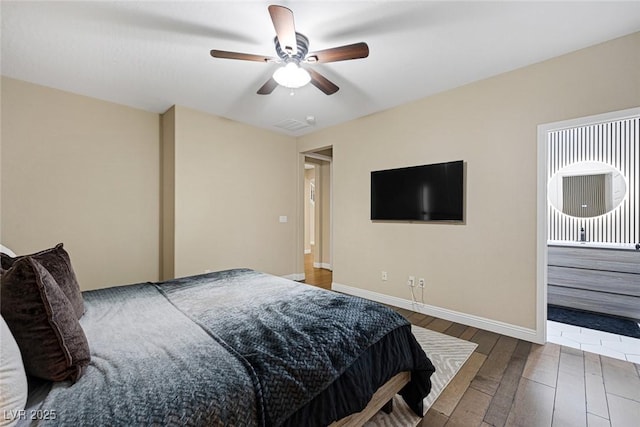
600, 245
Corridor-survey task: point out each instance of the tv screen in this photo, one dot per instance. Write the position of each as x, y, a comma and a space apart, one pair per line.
419, 193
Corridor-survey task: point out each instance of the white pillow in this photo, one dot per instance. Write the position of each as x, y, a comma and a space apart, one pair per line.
13, 379
6, 250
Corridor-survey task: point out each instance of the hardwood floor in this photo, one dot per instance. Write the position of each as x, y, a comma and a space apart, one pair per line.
316, 276
510, 382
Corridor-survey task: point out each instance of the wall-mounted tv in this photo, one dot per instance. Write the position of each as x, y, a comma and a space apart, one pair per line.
419, 193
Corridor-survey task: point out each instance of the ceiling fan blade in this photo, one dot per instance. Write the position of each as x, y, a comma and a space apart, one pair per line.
351, 51
282, 18
242, 56
268, 87
322, 83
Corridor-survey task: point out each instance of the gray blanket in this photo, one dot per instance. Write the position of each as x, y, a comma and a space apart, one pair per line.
235, 348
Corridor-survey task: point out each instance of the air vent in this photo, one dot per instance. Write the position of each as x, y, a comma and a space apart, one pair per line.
291, 125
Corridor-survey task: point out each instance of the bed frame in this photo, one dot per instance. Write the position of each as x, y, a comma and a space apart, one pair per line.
381, 399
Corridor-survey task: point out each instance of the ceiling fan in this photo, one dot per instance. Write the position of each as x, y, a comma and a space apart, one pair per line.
292, 49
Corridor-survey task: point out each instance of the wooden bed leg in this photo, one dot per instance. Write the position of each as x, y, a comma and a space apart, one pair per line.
384, 394
388, 407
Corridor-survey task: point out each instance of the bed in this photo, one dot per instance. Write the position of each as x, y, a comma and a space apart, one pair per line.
236, 347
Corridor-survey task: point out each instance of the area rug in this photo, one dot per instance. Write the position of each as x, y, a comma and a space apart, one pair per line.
448, 354
599, 322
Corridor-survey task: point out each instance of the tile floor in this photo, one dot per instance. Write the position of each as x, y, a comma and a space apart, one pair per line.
605, 343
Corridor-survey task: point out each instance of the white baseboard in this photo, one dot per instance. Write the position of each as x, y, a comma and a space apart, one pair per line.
296, 276
307, 251
502, 328
324, 265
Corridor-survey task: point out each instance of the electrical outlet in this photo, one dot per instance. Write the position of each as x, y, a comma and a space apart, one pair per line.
421, 282
412, 281
384, 276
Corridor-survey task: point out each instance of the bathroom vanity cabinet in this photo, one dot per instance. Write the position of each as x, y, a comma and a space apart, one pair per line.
596, 279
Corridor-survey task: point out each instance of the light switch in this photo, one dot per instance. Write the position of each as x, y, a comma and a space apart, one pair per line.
283, 218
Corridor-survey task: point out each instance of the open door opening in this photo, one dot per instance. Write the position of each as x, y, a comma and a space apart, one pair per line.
317, 218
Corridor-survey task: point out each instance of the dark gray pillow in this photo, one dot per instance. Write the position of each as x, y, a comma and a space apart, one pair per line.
57, 261
43, 322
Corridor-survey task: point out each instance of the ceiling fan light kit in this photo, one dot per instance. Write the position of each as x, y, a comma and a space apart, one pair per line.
292, 48
292, 76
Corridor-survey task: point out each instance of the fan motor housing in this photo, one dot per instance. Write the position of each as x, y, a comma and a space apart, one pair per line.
302, 45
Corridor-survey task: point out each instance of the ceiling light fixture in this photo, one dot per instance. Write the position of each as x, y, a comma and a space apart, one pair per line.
292, 76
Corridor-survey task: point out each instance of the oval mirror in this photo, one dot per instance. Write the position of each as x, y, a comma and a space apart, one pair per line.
587, 189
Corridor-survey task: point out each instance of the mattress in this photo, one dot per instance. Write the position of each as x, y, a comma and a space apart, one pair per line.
236, 347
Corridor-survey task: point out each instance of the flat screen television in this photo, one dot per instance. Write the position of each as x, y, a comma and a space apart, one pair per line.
419, 193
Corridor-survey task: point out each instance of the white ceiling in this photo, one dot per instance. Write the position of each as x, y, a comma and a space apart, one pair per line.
152, 55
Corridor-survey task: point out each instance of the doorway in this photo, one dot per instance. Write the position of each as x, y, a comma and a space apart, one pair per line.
318, 242
576, 296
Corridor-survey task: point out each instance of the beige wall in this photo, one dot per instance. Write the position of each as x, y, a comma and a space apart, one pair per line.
83, 172
232, 183
317, 216
308, 176
485, 267
325, 214
89, 173
167, 194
